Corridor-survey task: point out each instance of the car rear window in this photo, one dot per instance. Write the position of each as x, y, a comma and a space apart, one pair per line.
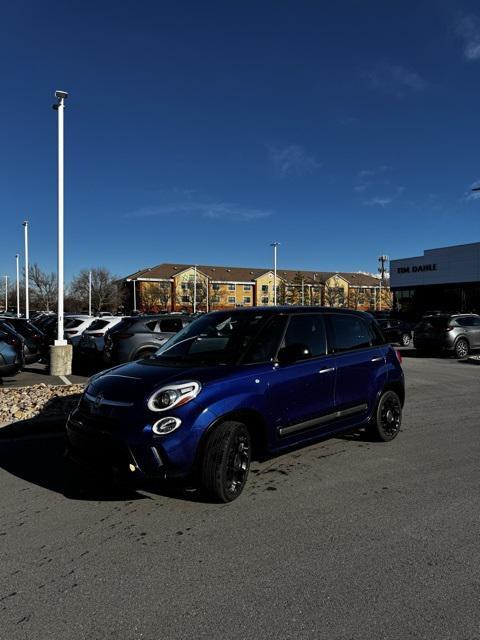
98, 324
438, 322
72, 323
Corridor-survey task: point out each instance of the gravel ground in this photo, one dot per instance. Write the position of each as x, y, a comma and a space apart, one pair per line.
22, 403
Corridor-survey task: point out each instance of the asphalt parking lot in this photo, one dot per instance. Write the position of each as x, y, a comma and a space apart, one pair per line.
346, 539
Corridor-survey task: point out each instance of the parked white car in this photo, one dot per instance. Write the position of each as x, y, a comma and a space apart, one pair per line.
93, 339
75, 325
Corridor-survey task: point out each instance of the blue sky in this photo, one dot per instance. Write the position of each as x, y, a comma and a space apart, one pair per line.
203, 131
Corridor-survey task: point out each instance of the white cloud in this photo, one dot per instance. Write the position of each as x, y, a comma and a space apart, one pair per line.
468, 28
225, 210
292, 160
385, 200
393, 79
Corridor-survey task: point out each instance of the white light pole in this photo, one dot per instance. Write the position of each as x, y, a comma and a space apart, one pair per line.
275, 245
60, 107
27, 309
6, 294
89, 293
18, 286
303, 294
195, 288
134, 295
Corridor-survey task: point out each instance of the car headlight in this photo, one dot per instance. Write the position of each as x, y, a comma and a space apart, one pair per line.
173, 395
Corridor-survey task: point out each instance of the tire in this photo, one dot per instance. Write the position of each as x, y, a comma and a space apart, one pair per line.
406, 339
386, 421
226, 462
461, 348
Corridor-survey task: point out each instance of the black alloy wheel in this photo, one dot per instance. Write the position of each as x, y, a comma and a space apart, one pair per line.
226, 461
406, 339
461, 348
387, 419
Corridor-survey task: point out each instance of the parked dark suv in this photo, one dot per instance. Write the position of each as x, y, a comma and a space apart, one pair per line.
396, 331
140, 336
455, 333
236, 383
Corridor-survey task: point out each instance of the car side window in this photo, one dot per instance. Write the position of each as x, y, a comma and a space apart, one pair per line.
476, 321
349, 332
264, 347
170, 325
376, 336
465, 321
308, 330
152, 325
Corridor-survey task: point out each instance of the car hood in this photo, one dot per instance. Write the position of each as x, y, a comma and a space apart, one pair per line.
130, 381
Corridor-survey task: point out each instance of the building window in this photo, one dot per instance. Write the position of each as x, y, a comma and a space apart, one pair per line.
231, 299
246, 287
265, 300
231, 287
184, 285
215, 299
215, 287
185, 298
247, 299
264, 288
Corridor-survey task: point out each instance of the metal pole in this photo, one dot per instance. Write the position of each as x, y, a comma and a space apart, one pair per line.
195, 289
380, 298
303, 295
27, 309
18, 287
275, 245
6, 294
60, 275
89, 293
134, 295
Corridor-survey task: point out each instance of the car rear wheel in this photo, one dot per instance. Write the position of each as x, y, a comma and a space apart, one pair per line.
406, 339
461, 348
226, 461
146, 353
387, 419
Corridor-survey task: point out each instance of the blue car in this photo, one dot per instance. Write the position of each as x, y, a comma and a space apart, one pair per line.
233, 385
11, 351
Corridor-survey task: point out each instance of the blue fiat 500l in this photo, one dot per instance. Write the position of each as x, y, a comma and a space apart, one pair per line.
237, 384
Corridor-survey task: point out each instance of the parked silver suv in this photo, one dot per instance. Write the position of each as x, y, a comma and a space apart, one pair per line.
140, 336
458, 333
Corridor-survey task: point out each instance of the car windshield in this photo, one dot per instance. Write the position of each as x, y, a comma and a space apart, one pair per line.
215, 339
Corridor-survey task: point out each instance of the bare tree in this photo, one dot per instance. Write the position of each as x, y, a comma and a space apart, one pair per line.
334, 296
106, 295
188, 294
43, 287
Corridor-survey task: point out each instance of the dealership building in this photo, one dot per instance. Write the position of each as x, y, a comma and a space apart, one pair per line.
446, 279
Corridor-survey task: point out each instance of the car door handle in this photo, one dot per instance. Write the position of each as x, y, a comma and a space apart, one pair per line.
379, 359
327, 370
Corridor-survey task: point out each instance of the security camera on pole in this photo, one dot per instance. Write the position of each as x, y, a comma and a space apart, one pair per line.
60, 351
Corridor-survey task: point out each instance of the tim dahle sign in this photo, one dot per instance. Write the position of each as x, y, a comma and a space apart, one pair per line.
417, 268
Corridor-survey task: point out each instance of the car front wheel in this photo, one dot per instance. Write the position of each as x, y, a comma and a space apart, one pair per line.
226, 461
461, 348
387, 419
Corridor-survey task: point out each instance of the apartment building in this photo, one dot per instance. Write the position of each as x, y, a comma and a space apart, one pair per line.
182, 287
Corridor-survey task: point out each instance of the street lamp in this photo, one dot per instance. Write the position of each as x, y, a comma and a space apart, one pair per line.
18, 286
194, 288
27, 310
275, 245
89, 293
61, 352
382, 260
60, 107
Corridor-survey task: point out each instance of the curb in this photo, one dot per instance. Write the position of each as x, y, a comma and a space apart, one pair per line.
33, 427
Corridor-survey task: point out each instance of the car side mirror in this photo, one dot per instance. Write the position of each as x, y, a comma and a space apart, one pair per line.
292, 353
